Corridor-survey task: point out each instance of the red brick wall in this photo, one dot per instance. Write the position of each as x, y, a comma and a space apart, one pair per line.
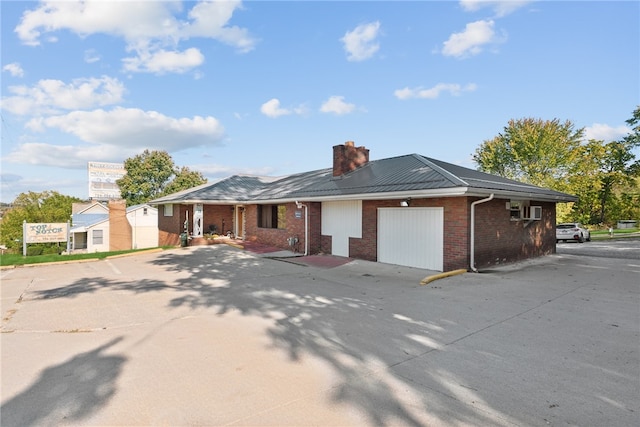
500, 240
456, 235
170, 227
120, 233
294, 227
218, 215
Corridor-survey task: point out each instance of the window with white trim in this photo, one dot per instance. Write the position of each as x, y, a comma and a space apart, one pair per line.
168, 209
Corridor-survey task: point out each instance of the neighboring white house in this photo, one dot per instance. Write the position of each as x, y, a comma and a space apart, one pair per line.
91, 227
144, 226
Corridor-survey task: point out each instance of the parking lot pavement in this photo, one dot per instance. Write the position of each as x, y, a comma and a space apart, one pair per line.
217, 336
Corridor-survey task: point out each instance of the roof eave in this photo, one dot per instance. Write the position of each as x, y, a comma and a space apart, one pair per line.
416, 194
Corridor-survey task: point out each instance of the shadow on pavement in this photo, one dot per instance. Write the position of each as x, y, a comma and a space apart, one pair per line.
66, 393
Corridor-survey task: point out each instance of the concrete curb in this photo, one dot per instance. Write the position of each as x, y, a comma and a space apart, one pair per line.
150, 251
78, 261
430, 279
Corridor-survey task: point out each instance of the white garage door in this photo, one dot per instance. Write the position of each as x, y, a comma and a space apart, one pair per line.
413, 237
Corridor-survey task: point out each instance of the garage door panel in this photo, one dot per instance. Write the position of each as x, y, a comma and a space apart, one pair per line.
411, 236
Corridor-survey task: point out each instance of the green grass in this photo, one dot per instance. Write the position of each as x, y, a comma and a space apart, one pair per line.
615, 232
18, 259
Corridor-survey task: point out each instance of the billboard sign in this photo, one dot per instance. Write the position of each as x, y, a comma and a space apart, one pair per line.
46, 232
102, 180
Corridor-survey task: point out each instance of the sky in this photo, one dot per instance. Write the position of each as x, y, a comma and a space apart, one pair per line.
269, 87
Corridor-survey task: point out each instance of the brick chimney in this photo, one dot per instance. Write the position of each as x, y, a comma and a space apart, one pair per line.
119, 228
348, 157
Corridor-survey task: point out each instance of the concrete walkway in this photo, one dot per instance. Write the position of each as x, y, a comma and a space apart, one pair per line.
215, 335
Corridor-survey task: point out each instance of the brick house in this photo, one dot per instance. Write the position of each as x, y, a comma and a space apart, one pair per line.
408, 210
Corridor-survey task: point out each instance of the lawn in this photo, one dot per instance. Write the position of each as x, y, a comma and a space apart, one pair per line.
18, 259
622, 232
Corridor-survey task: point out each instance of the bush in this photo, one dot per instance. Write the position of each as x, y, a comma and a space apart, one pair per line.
34, 250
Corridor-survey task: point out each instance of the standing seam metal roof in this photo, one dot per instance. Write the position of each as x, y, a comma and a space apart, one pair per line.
406, 173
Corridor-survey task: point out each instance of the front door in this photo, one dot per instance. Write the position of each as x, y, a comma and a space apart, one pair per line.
197, 220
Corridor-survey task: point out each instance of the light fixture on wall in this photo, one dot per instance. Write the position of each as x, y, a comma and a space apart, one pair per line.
406, 202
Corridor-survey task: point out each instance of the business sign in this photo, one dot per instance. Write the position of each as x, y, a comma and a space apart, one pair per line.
46, 232
102, 180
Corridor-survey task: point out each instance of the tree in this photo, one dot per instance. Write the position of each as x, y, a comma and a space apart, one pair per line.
535, 151
185, 178
153, 174
551, 154
619, 173
48, 206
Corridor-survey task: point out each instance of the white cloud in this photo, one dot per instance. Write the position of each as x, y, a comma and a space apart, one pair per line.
163, 61
434, 92
360, 43
55, 95
272, 109
131, 128
150, 28
471, 40
91, 56
209, 20
14, 69
67, 156
337, 105
500, 8
603, 132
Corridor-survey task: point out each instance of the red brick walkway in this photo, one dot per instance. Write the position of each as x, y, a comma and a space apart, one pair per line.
322, 261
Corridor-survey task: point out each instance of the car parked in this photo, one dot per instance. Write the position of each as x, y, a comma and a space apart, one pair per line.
572, 231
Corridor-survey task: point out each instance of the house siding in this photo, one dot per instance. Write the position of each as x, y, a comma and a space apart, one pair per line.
144, 227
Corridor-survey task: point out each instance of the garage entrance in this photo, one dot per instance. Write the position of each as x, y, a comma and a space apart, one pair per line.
413, 237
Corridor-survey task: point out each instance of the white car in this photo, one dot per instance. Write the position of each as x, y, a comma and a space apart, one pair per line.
572, 231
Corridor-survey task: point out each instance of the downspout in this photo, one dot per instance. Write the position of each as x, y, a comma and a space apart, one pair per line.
306, 227
472, 246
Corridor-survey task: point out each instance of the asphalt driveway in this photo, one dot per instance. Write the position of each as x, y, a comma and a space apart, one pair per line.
215, 335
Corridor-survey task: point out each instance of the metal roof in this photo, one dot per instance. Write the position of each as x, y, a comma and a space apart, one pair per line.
408, 175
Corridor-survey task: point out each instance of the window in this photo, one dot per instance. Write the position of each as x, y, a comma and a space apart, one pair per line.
272, 216
521, 209
168, 210
144, 211
532, 212
96, 237
515, 208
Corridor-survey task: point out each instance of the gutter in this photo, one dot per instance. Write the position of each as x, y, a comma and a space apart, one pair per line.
472, 246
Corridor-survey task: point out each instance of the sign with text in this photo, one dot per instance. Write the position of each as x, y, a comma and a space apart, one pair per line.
102, 180
46, 232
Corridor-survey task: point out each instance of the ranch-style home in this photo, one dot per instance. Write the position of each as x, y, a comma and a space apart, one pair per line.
409, 210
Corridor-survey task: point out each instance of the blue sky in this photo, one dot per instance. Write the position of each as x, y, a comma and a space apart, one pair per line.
267, 88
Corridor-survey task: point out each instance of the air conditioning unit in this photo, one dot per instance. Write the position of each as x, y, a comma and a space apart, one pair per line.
533, 213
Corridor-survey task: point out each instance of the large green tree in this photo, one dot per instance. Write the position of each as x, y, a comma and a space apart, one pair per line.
153, 174
47, 206
535, 151
604, 175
